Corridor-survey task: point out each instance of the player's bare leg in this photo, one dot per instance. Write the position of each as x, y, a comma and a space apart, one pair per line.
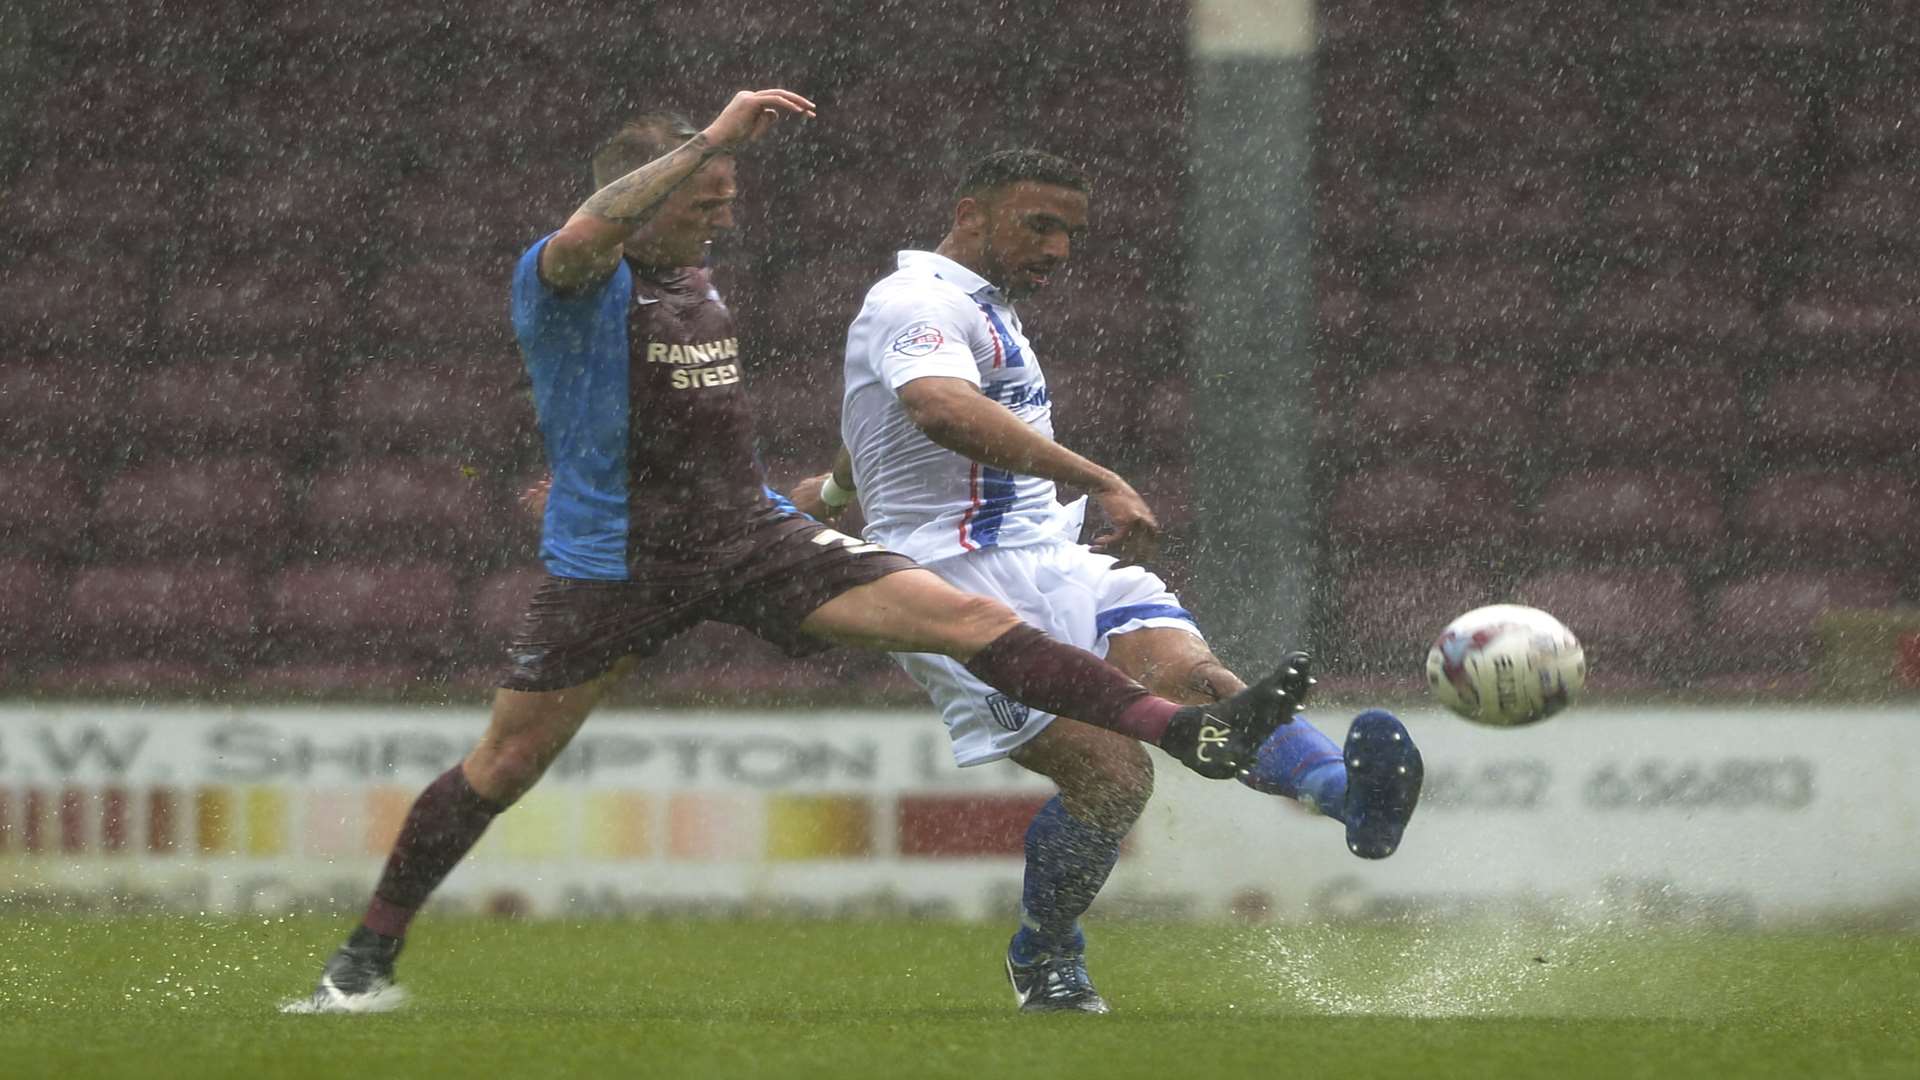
916, 611
1174, 664
526, 732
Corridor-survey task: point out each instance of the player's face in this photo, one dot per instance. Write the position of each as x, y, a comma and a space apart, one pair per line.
690, 218
1029, 235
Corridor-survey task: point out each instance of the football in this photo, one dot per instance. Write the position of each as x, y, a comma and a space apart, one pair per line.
1506, 666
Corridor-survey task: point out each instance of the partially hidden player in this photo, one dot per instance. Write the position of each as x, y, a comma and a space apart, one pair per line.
948, 431
658, 518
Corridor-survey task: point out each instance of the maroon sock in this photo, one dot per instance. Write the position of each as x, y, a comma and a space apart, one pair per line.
1036, 670
444, 824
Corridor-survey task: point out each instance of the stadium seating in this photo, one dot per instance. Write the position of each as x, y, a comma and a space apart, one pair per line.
1716, 24
1162, 427
1843, 309
1767, 621
1841, 414
1704, 267
455, 302
312, 202
1344, 309
1722, 117
105, 107
130, 205
1872, 205
31, 622
1644, 412
1502, 210
361, 612
1873, 119
547, 123
400, 505
200, 405
190, 612
1623, 515
234, 508
43, 508
1518, 113
73, 297
470, 404
798, 408
1476, 302
255, 300
1483, 27
1677, 300
60, 407
1387, 615
1632, 621
857, 221
1727, 211
153, 628
1349, 208
807, 309
488, 218
128, 676
1364, 116
1423, 508
1827, 515
1375, 24
1461, 413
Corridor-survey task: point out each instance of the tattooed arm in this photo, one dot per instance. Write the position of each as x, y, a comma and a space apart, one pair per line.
589, 246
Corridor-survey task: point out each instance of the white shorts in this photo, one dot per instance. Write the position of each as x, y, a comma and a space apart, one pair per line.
1064, 589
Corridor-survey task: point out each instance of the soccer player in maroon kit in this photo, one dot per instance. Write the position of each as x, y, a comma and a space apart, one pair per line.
658, 518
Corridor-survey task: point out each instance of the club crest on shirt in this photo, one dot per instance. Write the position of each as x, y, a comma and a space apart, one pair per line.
1008, 713
917, 340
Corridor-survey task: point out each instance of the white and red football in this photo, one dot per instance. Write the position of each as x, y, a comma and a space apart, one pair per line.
1506, 666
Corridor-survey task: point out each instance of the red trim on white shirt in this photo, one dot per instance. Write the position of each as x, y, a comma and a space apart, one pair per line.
999, 354
966, 519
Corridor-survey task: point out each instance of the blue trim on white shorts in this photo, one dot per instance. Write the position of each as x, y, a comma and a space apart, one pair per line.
1104, 622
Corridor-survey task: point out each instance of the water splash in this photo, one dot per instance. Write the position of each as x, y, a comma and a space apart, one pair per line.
1430, 971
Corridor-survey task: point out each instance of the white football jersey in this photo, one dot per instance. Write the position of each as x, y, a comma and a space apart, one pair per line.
934, 317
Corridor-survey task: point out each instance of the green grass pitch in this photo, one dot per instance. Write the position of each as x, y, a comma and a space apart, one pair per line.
82, 998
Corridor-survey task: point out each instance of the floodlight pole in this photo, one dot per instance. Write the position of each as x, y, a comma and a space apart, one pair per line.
1251, 292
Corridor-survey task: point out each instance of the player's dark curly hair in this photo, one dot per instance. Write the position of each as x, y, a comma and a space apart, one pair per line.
1003, 167
644, 138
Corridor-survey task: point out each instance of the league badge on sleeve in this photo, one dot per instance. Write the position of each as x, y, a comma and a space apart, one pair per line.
919, 339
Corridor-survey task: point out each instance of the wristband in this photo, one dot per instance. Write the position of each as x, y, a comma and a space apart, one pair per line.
834, 495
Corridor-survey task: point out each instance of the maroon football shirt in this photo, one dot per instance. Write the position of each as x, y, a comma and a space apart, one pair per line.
696, 486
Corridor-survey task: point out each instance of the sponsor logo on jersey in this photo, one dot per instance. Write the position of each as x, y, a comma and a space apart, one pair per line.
917, 340
659, 352
1016, 395
1008, 713
686, 357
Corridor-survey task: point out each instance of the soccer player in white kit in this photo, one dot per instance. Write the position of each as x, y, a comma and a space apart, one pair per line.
948, 430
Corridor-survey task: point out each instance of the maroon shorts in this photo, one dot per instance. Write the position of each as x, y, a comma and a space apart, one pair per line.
575, 630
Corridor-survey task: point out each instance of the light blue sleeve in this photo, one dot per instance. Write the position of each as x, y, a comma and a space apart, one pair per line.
551, 322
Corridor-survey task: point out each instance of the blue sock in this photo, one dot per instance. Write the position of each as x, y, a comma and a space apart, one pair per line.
1067, 862
1299, 762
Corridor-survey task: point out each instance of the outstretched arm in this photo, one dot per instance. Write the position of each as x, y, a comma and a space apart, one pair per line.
588, 247
955, 415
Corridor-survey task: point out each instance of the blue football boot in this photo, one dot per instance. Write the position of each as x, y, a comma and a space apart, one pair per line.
1384, 771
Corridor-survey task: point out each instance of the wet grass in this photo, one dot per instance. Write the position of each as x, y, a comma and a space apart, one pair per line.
197, 998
